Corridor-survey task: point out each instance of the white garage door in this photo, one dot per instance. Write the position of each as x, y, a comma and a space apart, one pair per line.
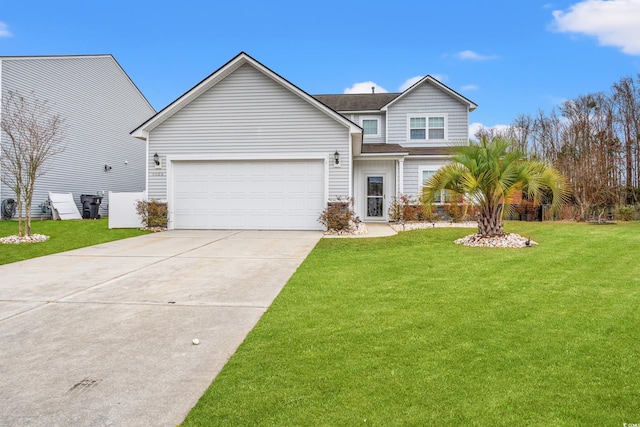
270, 195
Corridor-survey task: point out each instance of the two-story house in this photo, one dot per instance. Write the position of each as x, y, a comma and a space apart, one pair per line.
406, 138
247, 149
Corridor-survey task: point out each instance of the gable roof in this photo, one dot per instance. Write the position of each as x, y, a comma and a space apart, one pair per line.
436, 83
357, 101
239, 60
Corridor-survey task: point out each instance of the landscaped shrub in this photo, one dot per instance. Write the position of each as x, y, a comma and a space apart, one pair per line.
428, 212
153, 213
455, 211
626, 213
404, 209
339, 215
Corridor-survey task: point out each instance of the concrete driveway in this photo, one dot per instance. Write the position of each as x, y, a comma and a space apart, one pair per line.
103, 335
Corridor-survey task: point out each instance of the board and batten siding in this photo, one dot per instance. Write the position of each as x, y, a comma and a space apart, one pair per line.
100, 106
247, 115
432, 100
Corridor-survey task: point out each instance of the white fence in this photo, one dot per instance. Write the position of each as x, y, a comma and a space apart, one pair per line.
122, 209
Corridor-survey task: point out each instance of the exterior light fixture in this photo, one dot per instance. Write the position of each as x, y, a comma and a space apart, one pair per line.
336, 158
156, 159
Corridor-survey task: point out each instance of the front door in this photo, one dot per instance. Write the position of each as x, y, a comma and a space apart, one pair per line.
375, 196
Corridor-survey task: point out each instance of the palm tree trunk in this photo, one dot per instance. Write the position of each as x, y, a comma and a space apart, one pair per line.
489, 223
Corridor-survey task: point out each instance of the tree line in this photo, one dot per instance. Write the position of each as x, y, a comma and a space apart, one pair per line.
593, 140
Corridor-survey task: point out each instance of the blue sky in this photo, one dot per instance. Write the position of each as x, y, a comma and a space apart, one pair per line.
509, 57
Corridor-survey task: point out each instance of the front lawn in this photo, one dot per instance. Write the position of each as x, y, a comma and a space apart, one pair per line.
414, 330
64, 236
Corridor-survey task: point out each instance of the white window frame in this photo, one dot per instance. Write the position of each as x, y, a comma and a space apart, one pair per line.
371, 135
429, 168
426, 117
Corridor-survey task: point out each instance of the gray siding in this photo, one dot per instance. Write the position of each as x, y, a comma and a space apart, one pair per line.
383, 128
100, 106
427, 99
411, 176
249, 115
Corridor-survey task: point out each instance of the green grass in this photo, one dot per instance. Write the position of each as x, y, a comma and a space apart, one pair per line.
64, 236
413, 330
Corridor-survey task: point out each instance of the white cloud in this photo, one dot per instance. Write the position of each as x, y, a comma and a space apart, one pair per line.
4, 30
469, 55
410, 82
612, 22
467, 88
475, 127
365, 87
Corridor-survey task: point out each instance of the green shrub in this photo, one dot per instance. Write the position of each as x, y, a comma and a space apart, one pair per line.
153, 213
626, 213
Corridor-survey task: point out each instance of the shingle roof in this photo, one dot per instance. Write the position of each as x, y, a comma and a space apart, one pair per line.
430, 151
381, 148
357, 101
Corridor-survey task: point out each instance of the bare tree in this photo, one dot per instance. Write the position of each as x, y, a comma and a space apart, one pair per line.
33, 134
626, 99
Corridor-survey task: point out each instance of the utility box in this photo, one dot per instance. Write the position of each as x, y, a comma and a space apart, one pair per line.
90, 206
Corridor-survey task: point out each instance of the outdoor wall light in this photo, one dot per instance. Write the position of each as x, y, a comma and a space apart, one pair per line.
156, 159
336, 158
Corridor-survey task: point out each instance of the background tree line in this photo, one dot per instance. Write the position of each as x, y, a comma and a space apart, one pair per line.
594, 140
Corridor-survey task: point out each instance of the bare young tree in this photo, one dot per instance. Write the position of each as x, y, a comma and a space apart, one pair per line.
32, 135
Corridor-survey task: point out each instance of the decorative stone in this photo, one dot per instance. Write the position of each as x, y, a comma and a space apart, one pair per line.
507, 240
354, 230
34, 238
418, 225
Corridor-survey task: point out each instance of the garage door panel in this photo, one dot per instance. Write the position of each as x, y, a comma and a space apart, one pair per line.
286, 194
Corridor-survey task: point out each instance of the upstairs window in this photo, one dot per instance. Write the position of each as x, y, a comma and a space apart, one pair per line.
418, 126
427, 128
436, 127
371, 126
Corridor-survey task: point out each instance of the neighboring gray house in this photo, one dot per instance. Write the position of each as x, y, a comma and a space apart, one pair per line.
100, 105
247, 149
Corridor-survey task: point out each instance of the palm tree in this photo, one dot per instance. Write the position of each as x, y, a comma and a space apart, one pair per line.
489, 173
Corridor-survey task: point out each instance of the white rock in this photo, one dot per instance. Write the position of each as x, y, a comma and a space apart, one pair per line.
195, 341
507, 240
34, 238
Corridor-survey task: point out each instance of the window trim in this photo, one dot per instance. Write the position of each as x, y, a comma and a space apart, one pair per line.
371, 135
426, 117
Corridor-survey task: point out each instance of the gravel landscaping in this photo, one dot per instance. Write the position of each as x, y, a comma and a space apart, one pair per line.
34, 238
507, 240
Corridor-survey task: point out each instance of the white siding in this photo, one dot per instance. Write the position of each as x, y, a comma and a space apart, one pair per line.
248, 115
427, 99
100, 106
